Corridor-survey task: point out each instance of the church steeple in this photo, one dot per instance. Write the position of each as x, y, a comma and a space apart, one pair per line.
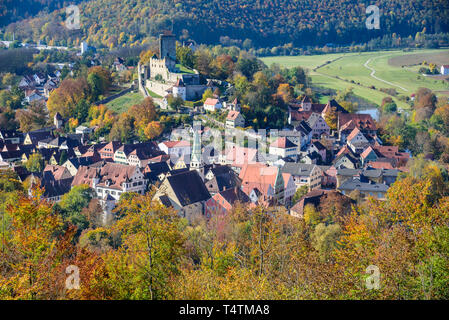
279, 187
196, 159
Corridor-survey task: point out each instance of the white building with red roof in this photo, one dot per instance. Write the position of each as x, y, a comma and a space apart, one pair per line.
235, 119
212, 104
283, 147
111, 179
175, 148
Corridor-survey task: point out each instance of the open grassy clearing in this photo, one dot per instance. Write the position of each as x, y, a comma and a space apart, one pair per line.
359, 69
121, 104
371, 95
153, 94
184, 69
440, 57
363, 70
309, 62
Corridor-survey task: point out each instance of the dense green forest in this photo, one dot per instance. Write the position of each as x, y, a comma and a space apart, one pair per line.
13, 10
248, 23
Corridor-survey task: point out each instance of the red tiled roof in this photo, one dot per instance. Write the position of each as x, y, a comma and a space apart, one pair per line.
361, 121
353, 134
380, 165
58, 172
282, 142
211, 102
180, 143
300, 115
343, 150
257, 176
366, 152
232, 115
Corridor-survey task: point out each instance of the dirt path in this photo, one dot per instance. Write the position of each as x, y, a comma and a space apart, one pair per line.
377, 78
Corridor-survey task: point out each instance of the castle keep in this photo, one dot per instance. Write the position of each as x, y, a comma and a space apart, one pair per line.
163, 77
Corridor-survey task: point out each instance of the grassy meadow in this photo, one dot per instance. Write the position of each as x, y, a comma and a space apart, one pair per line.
392, 69
121, 104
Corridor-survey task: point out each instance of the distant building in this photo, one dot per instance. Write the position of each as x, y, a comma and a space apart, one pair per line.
365, 187
232, 106
223, 202
309, 175
212, 105
84, 47
175, 148
111, 179
83, 130
283, 147
235, 119
179, 90
10, 136
58, 120
185, 192
161, 75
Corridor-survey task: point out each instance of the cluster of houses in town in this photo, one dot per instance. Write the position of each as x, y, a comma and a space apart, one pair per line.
195, 179
38, 86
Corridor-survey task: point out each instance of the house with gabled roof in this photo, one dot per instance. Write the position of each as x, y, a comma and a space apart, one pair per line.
107, 151
346, 160
365, 187
233, 106
10, 136
318, 125
235, 119
357, 141
111, 179
144, 150
33, 137
185, 192
332, 105
218, 178
267, 180
318, 147
283, 147
309, 175
348, 121
306, 133
237, 157
175, 148
316, 197
212, 104
224, 201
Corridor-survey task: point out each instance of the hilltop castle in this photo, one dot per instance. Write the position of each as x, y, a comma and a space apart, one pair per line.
163, 77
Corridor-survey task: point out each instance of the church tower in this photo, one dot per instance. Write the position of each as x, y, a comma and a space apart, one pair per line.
279, 188
196, 160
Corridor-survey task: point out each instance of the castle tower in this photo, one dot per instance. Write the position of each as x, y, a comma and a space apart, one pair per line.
196, 160
167, 49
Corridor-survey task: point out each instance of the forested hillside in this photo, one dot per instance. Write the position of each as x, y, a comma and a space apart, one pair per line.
264, 22
13, 10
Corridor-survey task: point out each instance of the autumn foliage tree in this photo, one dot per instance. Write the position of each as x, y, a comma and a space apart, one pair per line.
65, 98
35, 250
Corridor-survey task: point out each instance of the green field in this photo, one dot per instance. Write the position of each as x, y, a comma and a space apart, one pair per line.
355, 70
122, 103
309, 62
153, 94
184, 69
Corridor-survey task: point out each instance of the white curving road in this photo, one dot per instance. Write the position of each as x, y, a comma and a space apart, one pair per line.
377, 78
